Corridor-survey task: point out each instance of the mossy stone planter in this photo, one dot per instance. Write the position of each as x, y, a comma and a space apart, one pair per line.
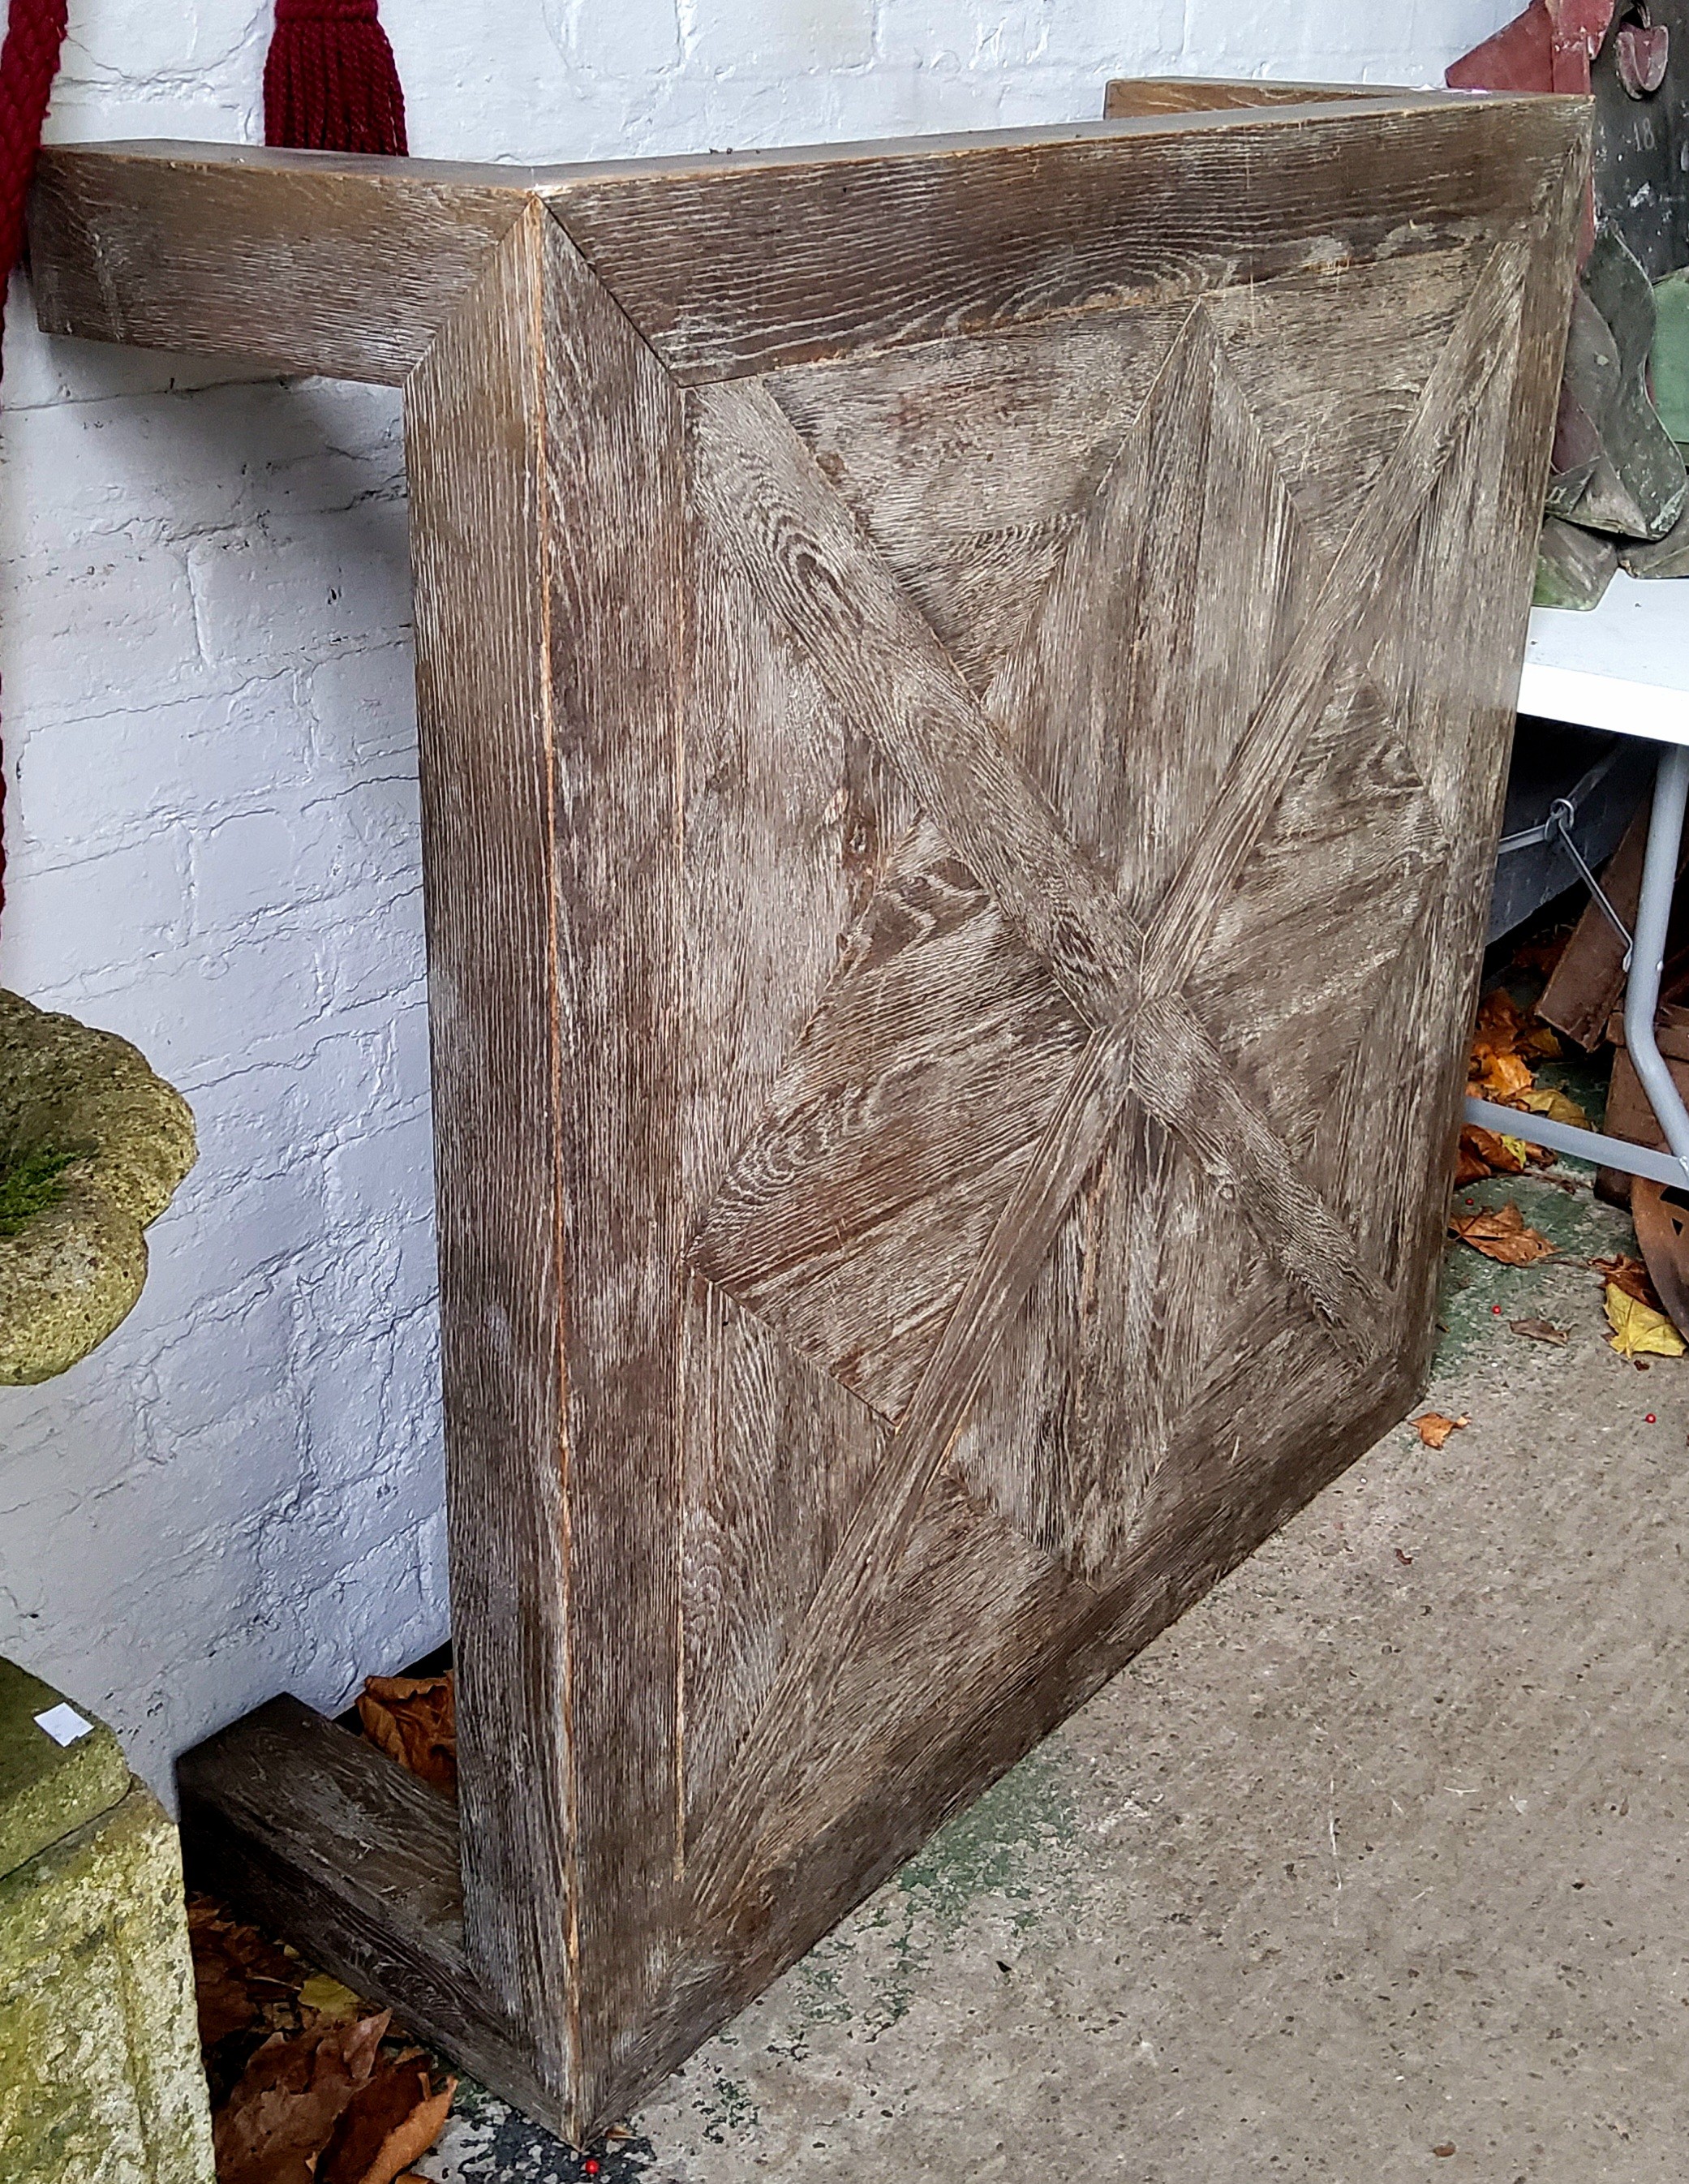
92, 1146
100, 2076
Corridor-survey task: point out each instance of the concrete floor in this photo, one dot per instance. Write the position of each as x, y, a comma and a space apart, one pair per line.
1379, 1851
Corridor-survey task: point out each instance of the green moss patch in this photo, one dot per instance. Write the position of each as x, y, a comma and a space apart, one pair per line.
29, 1183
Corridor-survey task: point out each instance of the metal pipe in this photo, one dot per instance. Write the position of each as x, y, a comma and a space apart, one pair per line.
1561, 818
1641, 1000
1648, 956
1582, 1144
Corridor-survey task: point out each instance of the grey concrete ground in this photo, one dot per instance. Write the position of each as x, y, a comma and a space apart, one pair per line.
1380, 1852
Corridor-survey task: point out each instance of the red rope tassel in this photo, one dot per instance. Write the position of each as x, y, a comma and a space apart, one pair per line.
29, 61
330, 84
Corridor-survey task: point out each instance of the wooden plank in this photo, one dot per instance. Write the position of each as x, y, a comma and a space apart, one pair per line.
790, 814
1352, 589
482, 548
546, 458
613, 478
1128, 96
328, 1844
1585, 986
740, 268
779, 1458
310, 261
1332, 366
739, 263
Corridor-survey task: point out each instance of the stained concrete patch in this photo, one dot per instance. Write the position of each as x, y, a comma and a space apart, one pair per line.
1380, 1850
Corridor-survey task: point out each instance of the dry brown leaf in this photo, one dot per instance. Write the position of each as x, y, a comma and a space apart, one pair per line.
1500, 1233
1630, 1275
1541, 1331
389, 2123
413, 1720
1500, 1076
1434, 1429
1485, 1152
290, 2095
1503, 1036
223, 1997
1638, 1330
1500, 1023
241, 1978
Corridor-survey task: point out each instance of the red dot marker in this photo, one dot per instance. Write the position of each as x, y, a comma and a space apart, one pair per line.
1497, 1309
1650, 1419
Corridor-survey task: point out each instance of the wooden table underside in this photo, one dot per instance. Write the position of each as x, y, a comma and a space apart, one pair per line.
965, 688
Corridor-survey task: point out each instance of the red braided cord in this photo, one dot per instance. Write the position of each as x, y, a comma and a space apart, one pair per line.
330, 84
324, 11
29, 61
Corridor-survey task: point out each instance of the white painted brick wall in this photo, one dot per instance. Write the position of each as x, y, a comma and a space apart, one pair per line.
210, 745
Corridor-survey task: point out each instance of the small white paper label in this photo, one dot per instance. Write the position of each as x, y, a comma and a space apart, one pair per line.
62, 1724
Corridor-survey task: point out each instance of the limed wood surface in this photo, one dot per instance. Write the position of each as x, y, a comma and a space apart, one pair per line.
965, 688
1125, 95
544, 439
308, 1827
739, 263
904, 243
311, 262
476, 449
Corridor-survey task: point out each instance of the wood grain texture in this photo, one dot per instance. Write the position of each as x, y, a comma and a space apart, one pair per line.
478, 458
740, 263
877, 247
1128, 96
310, 262
969, 463
920, 1091
316, 1833
542, 432
617, 601
791, 814
965, 690
880, 664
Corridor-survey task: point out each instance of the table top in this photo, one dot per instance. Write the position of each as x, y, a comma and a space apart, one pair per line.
1624, 667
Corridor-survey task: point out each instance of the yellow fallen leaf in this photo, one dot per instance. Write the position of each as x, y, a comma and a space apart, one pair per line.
1518, 1147
330, 2000
1638, 1330
1554, 1104
1434, 1429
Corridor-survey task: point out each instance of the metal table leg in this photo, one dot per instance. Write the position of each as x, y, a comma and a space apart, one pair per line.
1641, 1000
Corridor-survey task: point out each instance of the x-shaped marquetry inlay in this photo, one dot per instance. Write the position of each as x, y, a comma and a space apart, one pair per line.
815, 573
